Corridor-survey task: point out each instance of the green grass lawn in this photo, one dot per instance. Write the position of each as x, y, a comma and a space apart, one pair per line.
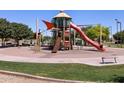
113, 45
68, 71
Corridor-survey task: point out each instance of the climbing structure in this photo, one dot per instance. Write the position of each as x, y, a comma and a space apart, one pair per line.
61, 24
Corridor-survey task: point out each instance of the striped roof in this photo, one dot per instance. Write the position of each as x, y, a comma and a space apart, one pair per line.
62, 14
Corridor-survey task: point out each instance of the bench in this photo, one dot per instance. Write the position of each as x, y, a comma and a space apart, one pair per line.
104, 60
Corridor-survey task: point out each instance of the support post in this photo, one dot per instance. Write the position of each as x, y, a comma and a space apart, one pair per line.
37, 43
100, 34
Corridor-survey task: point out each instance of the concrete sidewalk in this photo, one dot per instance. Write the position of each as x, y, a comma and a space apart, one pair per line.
89, 61
17, 77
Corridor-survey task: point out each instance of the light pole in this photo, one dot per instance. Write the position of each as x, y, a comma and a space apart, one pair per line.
118, 22
120, 33
117, 29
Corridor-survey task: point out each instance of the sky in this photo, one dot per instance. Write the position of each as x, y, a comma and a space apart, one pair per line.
79, 17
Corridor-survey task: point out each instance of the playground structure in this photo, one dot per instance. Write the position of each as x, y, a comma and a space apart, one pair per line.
84, 37
61, 35
38, 38
61, 27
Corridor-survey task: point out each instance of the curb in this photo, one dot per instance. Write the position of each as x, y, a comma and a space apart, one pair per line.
38, 77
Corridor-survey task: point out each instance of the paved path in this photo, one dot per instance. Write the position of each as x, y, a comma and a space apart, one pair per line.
17, 77
86, 56
5, 78
90, 61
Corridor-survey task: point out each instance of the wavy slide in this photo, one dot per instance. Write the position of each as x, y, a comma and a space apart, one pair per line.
84, 37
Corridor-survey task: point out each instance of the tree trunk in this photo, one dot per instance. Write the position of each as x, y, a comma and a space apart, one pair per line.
3, 43
17, 41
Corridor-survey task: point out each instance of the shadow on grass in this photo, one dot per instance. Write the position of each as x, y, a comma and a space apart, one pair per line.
118, 79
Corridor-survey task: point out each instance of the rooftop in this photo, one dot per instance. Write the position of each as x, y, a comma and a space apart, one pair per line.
62, 14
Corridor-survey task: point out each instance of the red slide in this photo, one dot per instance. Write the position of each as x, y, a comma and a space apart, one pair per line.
84, 37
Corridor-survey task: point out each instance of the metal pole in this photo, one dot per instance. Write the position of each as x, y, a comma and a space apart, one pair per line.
100, 34
63, 31
56, 33
117, 28
39, 39
111, 34
74, 37
70, 47
37, 47
36, 29
120, 34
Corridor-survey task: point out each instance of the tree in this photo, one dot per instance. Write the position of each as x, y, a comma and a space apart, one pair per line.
93, 32
46, 39
21, 31
119, 37
4, 30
